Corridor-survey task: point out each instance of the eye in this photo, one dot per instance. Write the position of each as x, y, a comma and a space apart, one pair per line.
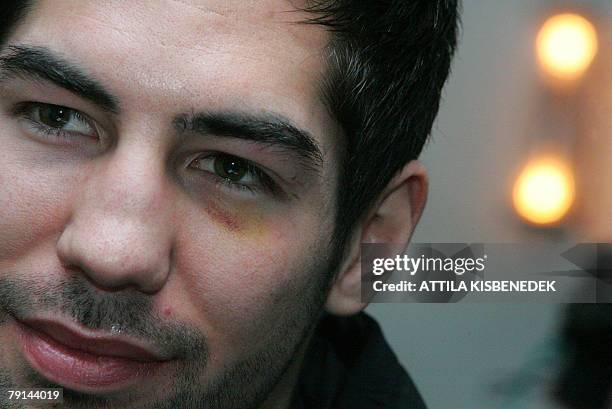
233, 172
232, 168
55, 121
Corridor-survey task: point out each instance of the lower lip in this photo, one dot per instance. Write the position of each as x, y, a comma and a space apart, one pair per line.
80, 370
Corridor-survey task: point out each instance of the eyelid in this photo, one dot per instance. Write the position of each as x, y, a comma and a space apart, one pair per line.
22, 107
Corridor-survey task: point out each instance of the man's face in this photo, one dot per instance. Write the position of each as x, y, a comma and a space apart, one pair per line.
166, 196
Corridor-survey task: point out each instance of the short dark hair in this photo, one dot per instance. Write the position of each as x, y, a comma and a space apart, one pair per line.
11, 13
386, 65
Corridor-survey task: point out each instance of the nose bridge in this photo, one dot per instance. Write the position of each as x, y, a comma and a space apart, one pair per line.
120, 232
131, 183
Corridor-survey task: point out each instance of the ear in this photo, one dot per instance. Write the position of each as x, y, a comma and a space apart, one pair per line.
391, 221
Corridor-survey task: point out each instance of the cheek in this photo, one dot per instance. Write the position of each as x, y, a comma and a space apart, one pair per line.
33, 202
242, 222
239, 285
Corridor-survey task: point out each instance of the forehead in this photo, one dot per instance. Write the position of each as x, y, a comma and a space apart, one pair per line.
191, 54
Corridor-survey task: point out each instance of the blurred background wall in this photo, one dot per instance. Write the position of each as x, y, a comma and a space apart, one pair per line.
458, 353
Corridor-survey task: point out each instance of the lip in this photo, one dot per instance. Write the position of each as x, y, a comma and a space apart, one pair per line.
88, 361
93, 343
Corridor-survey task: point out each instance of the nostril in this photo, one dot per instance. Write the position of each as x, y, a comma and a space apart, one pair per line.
116, 288
82, 273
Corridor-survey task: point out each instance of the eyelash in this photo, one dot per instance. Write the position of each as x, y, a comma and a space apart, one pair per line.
58, 134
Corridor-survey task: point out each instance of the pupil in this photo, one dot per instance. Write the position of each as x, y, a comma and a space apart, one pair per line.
231, 169
55, 117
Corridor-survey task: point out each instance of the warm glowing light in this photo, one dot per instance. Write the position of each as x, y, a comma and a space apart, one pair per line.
544, 191
566, 45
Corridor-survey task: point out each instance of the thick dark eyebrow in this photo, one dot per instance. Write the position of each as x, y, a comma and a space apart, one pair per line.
269, 129
41, 63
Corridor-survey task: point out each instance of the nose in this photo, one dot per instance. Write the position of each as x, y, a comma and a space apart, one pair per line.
120, 232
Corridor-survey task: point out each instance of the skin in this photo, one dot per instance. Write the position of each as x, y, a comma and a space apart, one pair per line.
229, 279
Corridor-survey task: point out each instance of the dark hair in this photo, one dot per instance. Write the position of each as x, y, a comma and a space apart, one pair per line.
386, 66
11, 12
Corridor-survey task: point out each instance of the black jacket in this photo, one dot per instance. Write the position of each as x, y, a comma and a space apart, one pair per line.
349, 365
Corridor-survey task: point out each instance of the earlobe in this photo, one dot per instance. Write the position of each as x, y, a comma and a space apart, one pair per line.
391, 221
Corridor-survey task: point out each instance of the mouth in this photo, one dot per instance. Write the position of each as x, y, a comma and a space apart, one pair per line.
86, 361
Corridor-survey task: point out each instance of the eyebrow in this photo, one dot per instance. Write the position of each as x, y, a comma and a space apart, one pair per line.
41, 63
269, 128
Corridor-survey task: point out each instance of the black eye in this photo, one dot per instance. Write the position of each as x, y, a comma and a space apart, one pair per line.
54, 116
234, 171
231, 168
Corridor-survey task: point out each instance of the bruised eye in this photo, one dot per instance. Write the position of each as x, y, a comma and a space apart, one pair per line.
230, 168
234, 172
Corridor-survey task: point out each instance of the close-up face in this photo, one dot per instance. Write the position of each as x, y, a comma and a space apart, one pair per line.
167, 192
